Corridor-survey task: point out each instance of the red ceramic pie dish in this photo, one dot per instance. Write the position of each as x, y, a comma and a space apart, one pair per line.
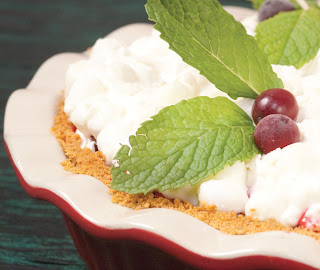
103, 248
109, 236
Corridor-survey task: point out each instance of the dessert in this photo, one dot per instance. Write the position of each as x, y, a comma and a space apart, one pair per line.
146, 76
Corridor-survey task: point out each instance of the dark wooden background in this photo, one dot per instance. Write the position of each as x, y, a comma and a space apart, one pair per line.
32, 233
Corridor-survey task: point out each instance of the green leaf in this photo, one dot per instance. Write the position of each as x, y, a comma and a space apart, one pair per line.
311, 3
290, 38
184, 144
211, 40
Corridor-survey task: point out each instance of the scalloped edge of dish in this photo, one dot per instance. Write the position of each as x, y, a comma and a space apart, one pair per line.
36, 157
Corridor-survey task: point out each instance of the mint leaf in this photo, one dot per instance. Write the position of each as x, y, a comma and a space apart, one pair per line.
211, 40
290, 38
311, 3
184, 144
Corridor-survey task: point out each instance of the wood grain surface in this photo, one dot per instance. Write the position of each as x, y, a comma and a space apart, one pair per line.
32, 232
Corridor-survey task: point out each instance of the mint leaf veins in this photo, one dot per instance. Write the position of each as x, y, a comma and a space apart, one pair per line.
211, 40
290, 38
184, 144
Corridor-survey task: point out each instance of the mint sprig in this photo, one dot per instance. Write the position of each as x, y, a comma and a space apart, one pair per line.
184, 144
211, 40
290, 38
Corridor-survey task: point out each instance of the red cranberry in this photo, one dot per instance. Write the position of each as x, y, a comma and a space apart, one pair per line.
274, 101
276, 131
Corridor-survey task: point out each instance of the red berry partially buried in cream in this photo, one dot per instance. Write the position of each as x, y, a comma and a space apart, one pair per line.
271, 8
157, 194
308, 223
276, 131
73, 128
274, 101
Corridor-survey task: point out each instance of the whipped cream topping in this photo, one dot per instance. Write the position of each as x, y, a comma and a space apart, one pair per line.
119, 87
286, 182
110, 94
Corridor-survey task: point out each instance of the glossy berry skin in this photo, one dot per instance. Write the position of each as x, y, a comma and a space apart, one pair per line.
271, 8
276, 131
274, 101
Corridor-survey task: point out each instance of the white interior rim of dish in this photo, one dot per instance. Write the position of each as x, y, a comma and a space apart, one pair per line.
37, 155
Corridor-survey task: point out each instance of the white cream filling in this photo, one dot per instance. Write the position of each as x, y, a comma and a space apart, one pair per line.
119, 87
